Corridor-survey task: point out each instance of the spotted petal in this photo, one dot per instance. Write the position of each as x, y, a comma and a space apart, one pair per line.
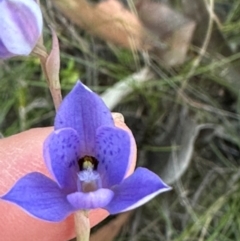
40, 197
20, 26
136, 190
90, 200
61, 152
113, 153
84, 111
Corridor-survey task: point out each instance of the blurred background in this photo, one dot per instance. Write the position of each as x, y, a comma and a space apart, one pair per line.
172, 68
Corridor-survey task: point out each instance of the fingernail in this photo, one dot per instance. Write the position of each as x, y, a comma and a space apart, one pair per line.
118, 116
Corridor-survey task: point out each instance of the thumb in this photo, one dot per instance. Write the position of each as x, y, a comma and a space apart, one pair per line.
19, 155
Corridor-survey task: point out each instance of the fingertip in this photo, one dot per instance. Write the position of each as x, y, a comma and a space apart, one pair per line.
21, 154
119, 122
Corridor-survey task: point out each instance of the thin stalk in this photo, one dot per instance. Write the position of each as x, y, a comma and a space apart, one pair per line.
82, 225
50, 64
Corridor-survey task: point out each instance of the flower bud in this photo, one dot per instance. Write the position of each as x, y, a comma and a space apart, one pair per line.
21, 25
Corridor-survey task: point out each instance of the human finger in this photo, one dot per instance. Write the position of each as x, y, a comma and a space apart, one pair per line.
19, 155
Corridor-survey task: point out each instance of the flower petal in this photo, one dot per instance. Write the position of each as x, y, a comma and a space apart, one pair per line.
20, 25
39, 196
136, 190
4, 53
84, 111
112, 150
61, 152
90, 200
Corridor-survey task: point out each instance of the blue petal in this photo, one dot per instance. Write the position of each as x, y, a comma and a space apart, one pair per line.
90, 200
40, 197
20, 25
113, 152
61, 152
4, 53
136, 190
84, 111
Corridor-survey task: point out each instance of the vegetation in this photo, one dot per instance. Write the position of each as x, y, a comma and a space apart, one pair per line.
204, 90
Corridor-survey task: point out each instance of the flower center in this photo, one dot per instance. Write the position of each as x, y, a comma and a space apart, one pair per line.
88, 161
89, 179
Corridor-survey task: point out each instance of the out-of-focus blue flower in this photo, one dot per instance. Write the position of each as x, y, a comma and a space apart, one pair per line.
88, 158
20, 27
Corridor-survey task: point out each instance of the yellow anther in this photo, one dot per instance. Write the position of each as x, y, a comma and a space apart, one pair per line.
87, 163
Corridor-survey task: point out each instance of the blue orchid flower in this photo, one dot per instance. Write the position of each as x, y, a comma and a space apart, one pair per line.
88, 158
21, 26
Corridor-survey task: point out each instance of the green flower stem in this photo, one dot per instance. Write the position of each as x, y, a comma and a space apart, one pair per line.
82, 225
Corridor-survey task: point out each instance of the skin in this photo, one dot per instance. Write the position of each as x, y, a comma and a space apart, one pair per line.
19, 155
